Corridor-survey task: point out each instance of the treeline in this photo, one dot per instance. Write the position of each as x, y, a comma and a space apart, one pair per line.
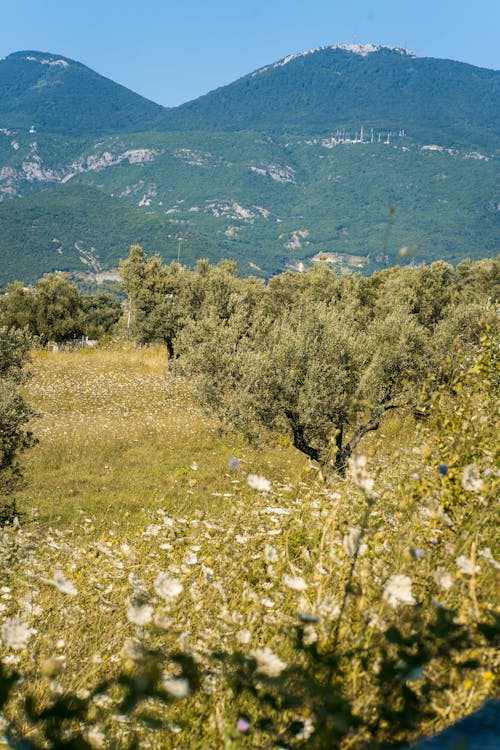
55, 310
318, 356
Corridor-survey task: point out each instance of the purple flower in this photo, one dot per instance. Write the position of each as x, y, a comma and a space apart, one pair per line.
443, 470
234, 462
417, 553
242, 725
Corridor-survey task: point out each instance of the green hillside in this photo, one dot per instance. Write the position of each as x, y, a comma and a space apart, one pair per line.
58, 95
354, 152
74, 228
334, 88
267, 201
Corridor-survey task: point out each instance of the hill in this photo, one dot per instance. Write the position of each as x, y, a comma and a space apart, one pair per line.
349, 86
75, 228
57, 95
354, 152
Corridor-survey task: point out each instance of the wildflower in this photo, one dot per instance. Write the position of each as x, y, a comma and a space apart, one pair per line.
486, 553
166, 587
242, 725
359, 475
15, 633
306, 731
443, 470
244, 636
177, 687
309, 635
140, 614
190, 558
294, 582
95, 737
270, 554
443, 579
63, 584
398, 590
268, 663
234, 463
465, 566
471, 479
351, 541
417, 553
194, 466
256, 482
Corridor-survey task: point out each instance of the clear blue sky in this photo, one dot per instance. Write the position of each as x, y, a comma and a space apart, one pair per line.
173, 51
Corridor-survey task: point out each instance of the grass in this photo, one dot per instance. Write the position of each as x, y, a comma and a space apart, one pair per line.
119, 436
131, 481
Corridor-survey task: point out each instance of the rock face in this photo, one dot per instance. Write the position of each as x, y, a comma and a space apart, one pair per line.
478, 731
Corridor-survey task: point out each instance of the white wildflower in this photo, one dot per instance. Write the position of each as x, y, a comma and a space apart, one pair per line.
190, 558
95, 737
194, 466
351, 541
359, 475
471, 479
256, 482
306, 731
276, 511
465, 566
398, 590
270, 554
294, 582
443, 579
140, 614
178, 687
15, 633
309, 635
166, 587
268, 663
244, 636
486, 553
267, 603
63, 584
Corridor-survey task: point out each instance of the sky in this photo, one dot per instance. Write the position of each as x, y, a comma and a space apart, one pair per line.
173, 51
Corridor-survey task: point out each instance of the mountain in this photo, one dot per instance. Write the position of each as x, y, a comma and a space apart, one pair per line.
347, 86
57, 95
353, 152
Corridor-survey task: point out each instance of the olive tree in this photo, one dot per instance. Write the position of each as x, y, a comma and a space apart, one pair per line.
14, 414
316, 373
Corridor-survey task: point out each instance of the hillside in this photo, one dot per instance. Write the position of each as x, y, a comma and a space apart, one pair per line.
347, 86
74, 228
57, 95
355, 152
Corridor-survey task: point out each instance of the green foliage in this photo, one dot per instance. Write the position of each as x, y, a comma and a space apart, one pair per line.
14, 416
324, 358
444, 204
60, 95
54, 310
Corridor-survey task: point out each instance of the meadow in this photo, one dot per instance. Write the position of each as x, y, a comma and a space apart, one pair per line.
180, 588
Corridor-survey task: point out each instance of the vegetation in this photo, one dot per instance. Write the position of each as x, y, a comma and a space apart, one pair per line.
54, 310
180, 587
64, 96
317, 356
334, 87
444, 205
14, 417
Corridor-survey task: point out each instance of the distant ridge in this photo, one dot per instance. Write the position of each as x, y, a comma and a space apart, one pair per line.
55, 94
346, 85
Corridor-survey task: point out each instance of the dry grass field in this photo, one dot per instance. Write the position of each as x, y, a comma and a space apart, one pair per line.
140, 530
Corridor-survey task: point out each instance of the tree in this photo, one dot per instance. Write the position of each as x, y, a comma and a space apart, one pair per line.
58, 309
317, 373
14, 415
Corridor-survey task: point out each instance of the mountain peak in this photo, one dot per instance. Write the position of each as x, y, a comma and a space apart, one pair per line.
357, 49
